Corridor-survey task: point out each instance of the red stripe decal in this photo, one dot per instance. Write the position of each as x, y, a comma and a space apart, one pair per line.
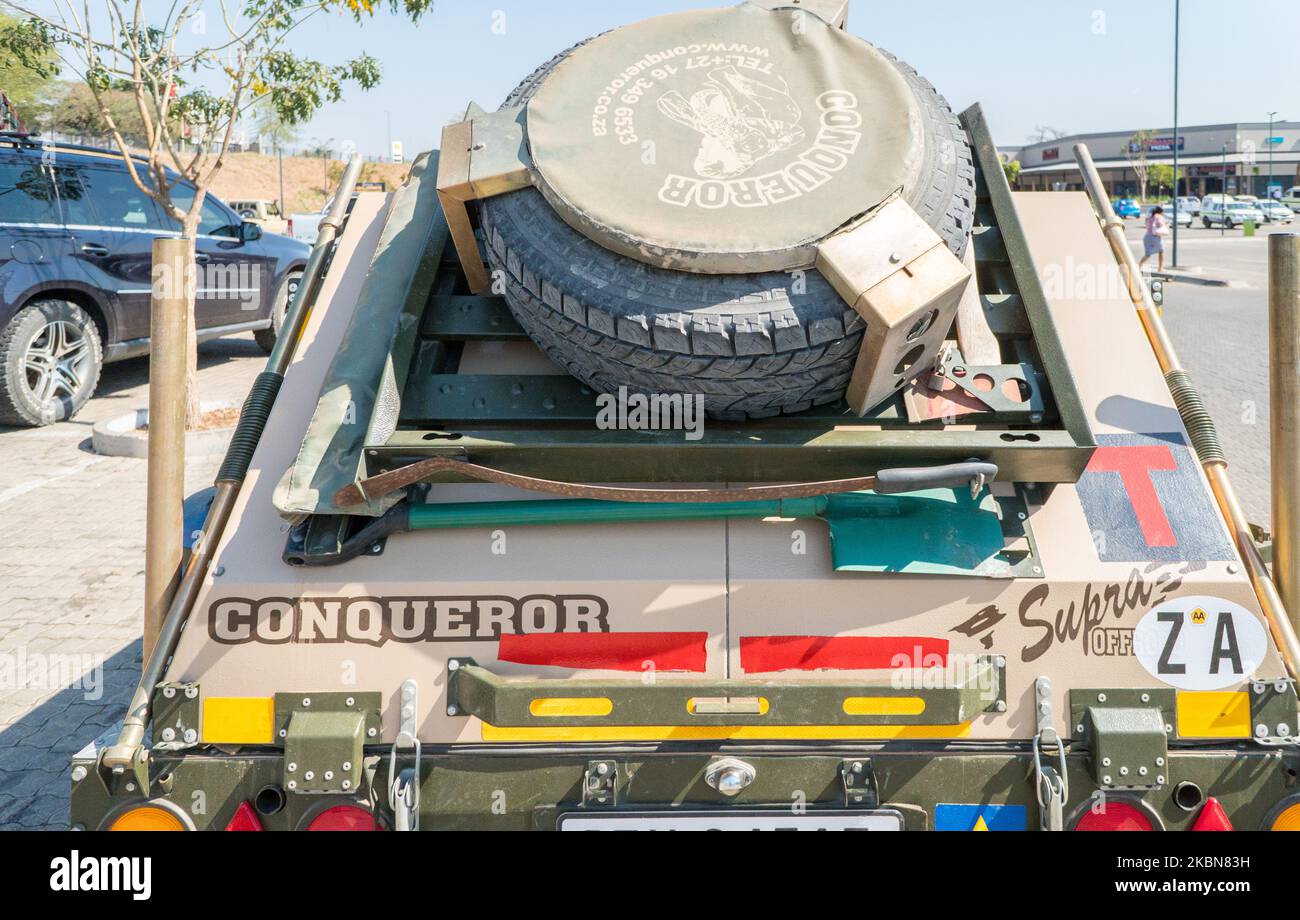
665, 651
1135, 466
766, 654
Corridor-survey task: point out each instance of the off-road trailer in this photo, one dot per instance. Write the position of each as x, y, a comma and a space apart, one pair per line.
1084, 643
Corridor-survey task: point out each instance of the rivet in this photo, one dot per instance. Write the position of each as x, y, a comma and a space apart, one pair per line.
371, 732
452, 710
1142, 771
1123, 771
347, 784
191, 736
1283, 730
292, 768
349, 702
329, 775
130, 787
1101, 697
1261, 731
309, 775
453, 665
1105, 761
191, 693
1146, 697
347, 766
169, 692
292, 784
169, 734
1105, 780
306, 701
219, 571
1001, 706
78, 774
1160, 780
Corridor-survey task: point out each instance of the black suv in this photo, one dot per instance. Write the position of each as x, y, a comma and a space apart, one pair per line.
76, 241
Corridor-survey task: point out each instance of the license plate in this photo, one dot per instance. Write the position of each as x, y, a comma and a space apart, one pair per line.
734, 821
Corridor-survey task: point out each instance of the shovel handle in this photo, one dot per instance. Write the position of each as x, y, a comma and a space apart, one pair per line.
893, 482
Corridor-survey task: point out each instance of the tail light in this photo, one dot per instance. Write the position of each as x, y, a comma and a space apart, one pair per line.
1288, 819
245, 819
148, 818
1115, 816
343, 818
290, 226
1212, 817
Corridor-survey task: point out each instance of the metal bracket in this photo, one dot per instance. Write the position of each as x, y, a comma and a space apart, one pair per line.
1273, 714
176, 716
324, 739
483, 156
600, 784
990, 384
858, 778
832, 12
404, 785
1051, 780
1128, 732
900, 277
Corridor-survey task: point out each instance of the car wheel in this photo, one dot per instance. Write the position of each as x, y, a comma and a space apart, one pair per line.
266, 338
50, 360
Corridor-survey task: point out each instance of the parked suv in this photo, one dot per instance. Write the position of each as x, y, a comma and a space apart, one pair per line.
76, 241
1215, 209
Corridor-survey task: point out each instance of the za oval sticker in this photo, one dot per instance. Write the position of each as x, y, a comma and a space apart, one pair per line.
1200, 643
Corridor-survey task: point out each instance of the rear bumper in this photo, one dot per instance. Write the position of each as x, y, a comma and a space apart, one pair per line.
529, 788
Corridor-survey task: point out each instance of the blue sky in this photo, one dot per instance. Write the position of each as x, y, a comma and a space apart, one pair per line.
1077, 65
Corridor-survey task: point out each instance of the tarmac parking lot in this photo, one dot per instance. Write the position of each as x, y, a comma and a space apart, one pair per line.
71, 566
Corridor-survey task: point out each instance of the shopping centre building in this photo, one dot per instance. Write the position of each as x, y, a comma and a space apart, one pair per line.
1247, 157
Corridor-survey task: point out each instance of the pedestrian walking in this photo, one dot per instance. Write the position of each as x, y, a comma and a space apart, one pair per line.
1154, 241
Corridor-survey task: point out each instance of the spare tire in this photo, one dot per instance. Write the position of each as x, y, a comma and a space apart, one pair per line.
753, 345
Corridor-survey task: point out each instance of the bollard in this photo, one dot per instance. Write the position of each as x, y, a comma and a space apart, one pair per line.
173, 277
1284, 411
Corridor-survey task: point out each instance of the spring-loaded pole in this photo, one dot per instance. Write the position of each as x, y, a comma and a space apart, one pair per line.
1196, 418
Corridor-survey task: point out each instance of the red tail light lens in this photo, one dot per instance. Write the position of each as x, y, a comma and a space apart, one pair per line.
1212, 817
1114, 816
343, 818
245, 819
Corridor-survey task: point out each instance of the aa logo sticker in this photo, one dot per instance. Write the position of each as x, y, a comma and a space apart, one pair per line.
1200, 643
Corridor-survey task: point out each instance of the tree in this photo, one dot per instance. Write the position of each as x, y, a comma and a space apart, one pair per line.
77, 112
1044, 133
29, 90
1161, 176
1012, 169
189, 95
1135, 151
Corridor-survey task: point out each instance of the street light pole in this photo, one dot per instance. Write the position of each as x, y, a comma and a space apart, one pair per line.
1178, 5
1223, 181
1268, 186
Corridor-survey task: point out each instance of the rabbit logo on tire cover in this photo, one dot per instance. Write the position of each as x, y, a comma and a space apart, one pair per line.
742, 123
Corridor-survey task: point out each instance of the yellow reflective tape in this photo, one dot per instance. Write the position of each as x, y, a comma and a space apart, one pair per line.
1218, 714
584, 734
884, 706
558, 708
239, 720
1289, 820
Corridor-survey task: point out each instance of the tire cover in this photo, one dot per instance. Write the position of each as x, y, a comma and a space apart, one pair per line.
723, 141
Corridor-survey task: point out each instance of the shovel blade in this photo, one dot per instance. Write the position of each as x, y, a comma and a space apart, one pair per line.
934, 532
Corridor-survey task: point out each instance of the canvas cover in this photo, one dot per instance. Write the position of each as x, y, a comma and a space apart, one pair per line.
728, 140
